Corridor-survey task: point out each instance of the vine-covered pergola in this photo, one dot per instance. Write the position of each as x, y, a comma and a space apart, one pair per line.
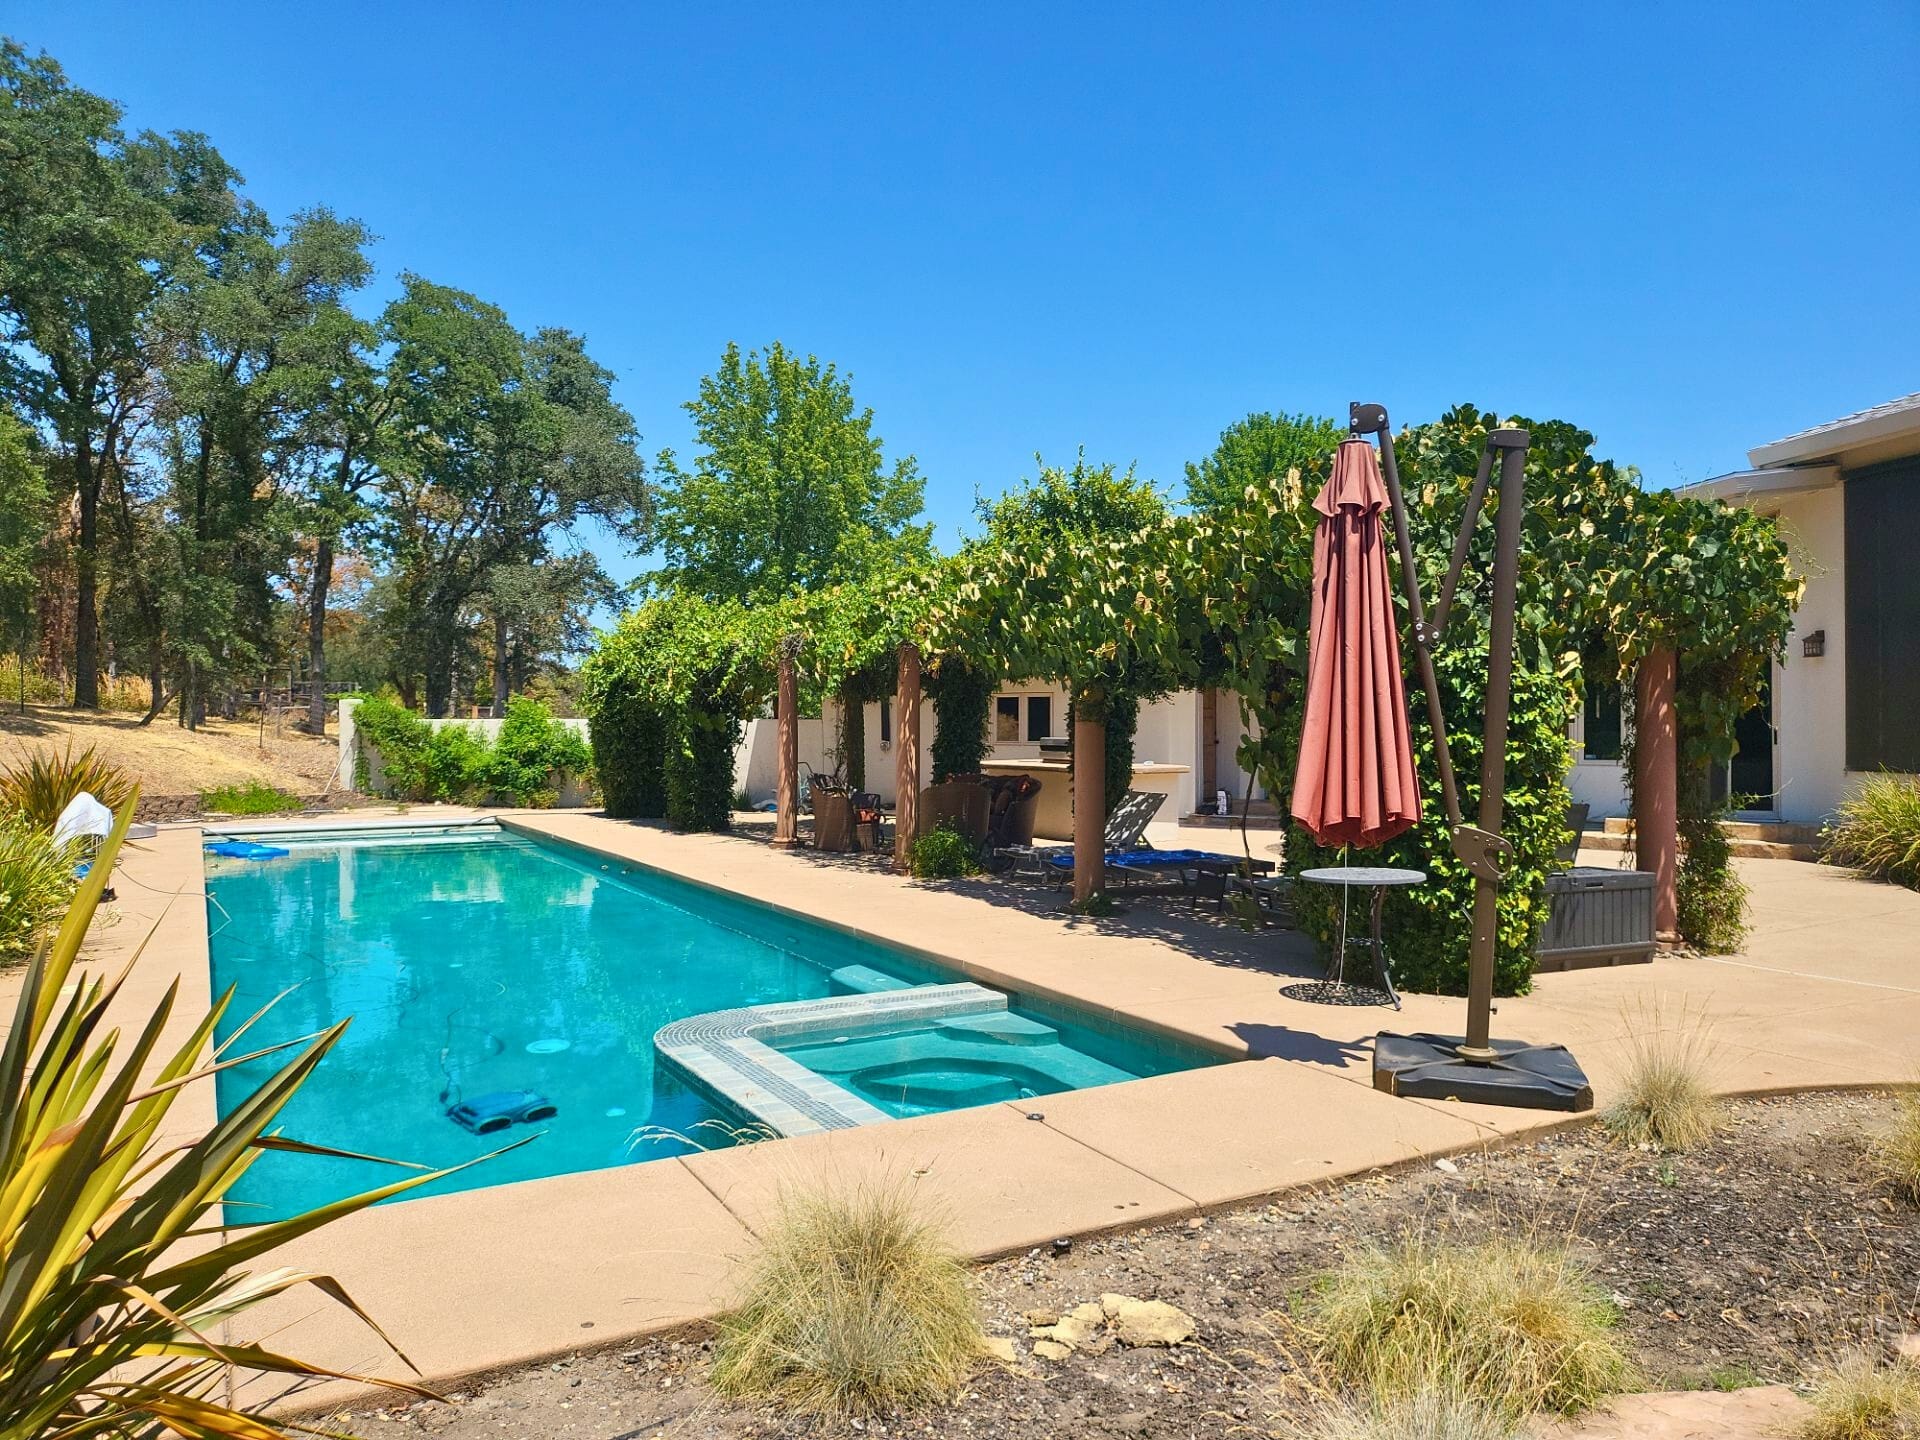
1687, 602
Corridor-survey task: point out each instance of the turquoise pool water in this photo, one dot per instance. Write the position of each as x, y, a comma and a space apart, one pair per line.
479, 962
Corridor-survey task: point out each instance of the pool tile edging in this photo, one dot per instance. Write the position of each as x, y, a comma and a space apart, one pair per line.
726, 1052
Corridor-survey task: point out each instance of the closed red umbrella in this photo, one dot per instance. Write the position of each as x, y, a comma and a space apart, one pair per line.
1354, 784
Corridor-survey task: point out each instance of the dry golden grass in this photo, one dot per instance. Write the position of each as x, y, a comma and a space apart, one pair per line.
856, 1304
1858, 1398
1510, 1324
1426, 1415
1896, 1150
1666, 1099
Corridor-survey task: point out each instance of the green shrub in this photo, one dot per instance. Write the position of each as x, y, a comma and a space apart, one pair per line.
1515, 1325
256, 797
531, 748
1877, 829
456, 765
420, 761
1711, 897
44, 784
943, 853
36, 882
855, 1305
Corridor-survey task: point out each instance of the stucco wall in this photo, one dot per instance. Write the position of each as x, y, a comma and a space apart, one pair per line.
1810, 695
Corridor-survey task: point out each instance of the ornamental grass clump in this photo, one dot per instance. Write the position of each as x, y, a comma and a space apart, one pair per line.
1665, 1100
44, 784
1509, 1324
855, 1305
1858, 1398
1896, 1150
1877, 829
1424, 1415
36, 881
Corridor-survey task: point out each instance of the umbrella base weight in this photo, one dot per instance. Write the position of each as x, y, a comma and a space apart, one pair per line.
1531, 1077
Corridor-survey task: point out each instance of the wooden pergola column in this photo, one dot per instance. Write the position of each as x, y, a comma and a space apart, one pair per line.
786, 821
906, 756
1089, 802
1656, 786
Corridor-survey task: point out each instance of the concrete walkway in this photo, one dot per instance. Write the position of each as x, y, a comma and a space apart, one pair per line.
1827, 995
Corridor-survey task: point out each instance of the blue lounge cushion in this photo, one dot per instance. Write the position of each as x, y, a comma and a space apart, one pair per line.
1145, 859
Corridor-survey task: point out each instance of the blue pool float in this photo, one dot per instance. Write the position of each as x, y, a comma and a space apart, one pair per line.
247, 850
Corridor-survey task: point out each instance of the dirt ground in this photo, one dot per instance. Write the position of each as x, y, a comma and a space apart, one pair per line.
169, 761
1733, 1265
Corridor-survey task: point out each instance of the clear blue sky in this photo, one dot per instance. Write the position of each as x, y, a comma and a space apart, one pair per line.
1690, 229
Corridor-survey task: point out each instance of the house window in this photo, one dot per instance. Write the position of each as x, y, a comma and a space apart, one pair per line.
1039, 716
1600, 722
1883, 596
1006, 717
886, 721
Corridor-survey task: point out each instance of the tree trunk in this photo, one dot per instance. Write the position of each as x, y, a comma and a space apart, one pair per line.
1089, 803
1656, 786
500, 676
317, 634
906, 757
86, 618
156, 680
439, 685
786, 793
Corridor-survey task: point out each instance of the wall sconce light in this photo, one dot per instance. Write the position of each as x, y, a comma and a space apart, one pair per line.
1814, 644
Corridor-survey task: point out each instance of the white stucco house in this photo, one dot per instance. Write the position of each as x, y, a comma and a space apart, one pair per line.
1846, 701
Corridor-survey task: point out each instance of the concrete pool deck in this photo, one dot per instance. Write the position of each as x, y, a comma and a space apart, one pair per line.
1827, 994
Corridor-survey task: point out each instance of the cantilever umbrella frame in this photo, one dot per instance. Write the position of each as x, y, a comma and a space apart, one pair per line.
1474, 1066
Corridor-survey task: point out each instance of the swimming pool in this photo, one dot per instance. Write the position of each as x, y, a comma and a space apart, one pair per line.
477, 963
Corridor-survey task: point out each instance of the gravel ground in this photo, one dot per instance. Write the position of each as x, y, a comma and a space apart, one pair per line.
1731, 1265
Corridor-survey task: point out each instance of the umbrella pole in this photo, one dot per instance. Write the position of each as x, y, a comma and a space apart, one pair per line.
1475, 1066
1493, 764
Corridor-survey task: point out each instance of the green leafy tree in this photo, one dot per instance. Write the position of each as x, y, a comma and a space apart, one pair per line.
1260, 450
790, 490
499, 445
252, 354
26, 518
95, 229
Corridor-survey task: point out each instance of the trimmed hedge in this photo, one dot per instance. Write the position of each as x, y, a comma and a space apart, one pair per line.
630, 757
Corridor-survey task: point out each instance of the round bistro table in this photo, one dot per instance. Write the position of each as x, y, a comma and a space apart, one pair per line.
1379, 879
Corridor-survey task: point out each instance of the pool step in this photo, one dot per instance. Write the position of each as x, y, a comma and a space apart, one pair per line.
999, 1027
865, 980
